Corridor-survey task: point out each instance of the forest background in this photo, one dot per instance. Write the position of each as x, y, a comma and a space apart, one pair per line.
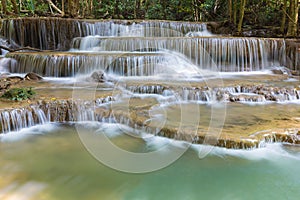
279, 17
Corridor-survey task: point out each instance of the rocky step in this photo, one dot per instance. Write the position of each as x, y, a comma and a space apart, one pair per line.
49, 111
138, 117
239, 93
179, 122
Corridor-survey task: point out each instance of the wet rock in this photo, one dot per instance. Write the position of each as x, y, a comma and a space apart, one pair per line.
33, 76
281, 70
4, 75
98, 76
286, 137
6, 82
4, 85
246, 98
295, 73
14, 79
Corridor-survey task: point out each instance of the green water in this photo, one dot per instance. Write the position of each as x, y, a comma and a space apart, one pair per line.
50, 162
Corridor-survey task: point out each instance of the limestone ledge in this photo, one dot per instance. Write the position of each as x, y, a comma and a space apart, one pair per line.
68, 110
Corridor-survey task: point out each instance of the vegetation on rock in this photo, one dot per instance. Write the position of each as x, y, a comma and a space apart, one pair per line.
19, 94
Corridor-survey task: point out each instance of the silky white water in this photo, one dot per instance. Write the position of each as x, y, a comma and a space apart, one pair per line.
50, 162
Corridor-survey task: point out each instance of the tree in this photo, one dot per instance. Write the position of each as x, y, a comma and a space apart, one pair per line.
230, 10
4, 6
15, 6
241, 18
73, 7
293, 18
51, 4
235, 12
283, 21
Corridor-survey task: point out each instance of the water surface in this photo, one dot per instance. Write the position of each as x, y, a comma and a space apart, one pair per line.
50, 162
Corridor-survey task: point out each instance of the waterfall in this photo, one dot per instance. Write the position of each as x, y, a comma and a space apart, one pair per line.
255, 93
5, 64
56, 33
227, 54
69, 64
55, 111
126, 56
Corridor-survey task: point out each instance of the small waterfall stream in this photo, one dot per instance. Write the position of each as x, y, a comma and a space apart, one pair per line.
44, 112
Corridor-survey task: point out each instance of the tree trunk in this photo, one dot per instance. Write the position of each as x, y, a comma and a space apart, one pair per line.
216, 6
242, 11
87, 8
293, 19
73, 7
235, 12
230, 10
15, 6
283, 21
197, 15
135, 9
116, 10
54, 6
3, 4
296, 30
164, 8
62, 7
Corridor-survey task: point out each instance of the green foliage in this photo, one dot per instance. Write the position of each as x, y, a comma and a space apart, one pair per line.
154, 11
257, 13
18, 94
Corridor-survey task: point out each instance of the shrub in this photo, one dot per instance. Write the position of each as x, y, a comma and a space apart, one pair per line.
18, 94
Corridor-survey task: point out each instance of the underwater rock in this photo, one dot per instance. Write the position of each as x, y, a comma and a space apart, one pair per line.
33, 76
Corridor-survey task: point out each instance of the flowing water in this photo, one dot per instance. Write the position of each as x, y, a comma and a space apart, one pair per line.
32, 169
102, 140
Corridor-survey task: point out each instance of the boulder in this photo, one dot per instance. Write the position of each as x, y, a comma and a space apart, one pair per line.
281, 71
98, 76
14, 79
4, 85
33, 76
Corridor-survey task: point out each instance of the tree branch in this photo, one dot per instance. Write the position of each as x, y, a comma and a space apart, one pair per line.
54, 6
20, 49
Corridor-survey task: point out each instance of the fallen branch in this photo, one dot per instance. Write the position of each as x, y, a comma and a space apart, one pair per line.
20, 49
